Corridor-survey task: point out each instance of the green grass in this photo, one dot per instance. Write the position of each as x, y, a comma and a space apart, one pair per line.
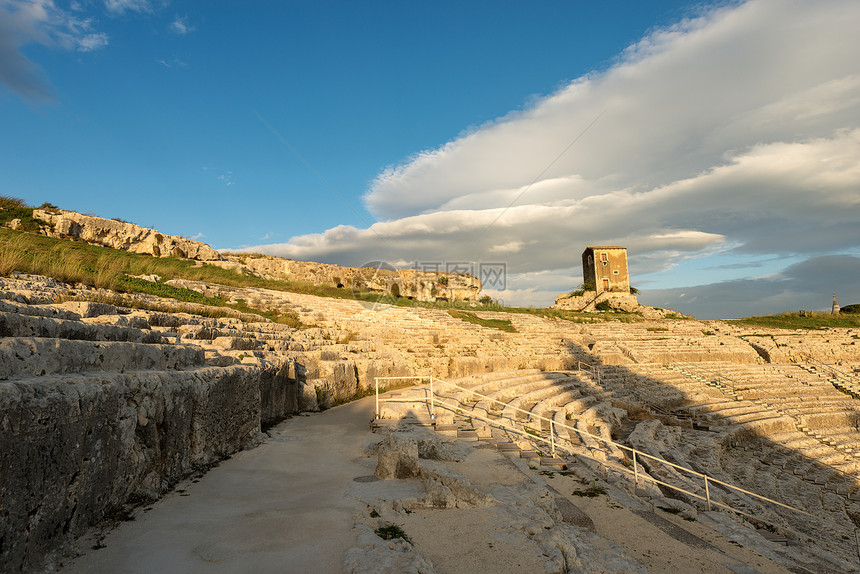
590, 492
576, 316
78, 262
795, 321
14, 208
500, 324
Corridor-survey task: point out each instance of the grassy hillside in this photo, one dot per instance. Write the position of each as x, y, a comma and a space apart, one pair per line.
79, 262
796, 321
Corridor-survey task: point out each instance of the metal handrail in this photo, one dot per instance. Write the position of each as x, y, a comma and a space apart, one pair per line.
797, 423
634, 452
406, 378
838, 374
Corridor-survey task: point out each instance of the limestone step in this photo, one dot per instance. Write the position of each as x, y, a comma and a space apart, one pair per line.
421, 422
776, 538
450, 430
467, 435
549, 462
39, 356
15, 325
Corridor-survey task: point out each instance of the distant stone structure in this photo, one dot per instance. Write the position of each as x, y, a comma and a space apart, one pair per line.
835, 310
606, 283
605, 267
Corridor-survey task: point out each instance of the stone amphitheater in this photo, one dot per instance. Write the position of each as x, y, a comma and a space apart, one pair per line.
104, 409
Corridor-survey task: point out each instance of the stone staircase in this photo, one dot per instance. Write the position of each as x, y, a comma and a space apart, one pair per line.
788, 463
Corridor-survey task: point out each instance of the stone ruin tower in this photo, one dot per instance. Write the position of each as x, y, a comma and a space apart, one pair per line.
835, 309
605, 267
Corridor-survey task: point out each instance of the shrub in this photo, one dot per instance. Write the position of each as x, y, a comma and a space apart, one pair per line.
603, 306
851, 309
7, 201
391, 532
14, 208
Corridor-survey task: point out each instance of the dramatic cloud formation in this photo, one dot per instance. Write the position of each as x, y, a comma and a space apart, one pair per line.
24, 22
735, 130
807, 284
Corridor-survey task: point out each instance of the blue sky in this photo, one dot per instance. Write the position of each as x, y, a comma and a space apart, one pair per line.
719, 142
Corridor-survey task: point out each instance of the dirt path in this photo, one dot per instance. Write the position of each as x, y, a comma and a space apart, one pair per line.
290, 505
281, 507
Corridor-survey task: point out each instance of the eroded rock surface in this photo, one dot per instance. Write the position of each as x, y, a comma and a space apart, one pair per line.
121, 235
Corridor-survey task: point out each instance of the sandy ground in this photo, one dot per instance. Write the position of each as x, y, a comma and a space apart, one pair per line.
290, 505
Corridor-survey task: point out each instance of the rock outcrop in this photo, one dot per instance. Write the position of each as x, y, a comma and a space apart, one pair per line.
589, 301
121, 235
409, 283
116, 234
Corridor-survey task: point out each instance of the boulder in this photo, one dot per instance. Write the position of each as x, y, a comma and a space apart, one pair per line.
398, 458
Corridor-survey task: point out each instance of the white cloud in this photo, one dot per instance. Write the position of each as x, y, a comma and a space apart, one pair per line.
736, 130
509, 247
173, 63
24, 22
91, 42
122, 6
180, 26
226, 178
671, 108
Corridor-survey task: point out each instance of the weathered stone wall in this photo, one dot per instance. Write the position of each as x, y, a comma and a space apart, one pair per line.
121, 235
74, 448
279, 393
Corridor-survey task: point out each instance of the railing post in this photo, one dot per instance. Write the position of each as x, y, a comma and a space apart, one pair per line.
635, 471
707, 493
552, 436
376, 382
432, 402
